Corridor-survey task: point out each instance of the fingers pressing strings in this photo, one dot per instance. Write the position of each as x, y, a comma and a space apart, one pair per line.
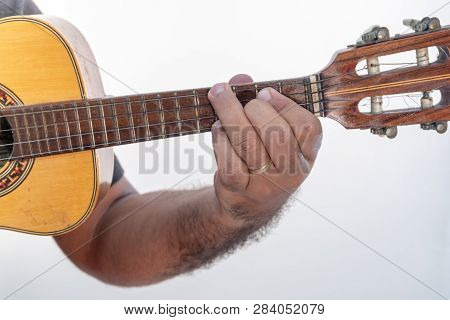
241, 134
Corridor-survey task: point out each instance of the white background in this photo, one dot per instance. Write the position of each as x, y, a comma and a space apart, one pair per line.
392, 195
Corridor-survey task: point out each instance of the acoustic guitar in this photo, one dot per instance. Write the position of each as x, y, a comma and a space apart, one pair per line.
57, 127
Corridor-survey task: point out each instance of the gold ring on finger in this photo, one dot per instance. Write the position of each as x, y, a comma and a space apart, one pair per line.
266, 166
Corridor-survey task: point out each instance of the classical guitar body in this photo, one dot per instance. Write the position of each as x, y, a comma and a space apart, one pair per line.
45, 59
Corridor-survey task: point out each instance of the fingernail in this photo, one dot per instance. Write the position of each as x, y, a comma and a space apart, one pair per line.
264, 94
217, 89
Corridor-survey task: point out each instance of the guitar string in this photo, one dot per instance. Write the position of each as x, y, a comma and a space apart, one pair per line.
80, 135
180, 133
115, 104
101, 145
142, 102
116, 143
54, 126
128, 115
147, 113
120, 142
267, 83
239, 88
159, 111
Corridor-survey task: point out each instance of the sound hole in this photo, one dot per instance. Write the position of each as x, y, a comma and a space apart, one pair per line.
6, 141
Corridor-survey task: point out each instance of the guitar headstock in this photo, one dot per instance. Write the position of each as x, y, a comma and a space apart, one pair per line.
344, 87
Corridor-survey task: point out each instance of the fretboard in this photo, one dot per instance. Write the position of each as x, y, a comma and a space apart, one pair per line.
71, 126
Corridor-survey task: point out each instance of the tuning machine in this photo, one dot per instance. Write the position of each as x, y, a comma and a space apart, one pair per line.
426, 24
390, 132
426, 102
373, 34
422, 58
439, 127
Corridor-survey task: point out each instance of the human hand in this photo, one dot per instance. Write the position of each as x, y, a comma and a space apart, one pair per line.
264, 151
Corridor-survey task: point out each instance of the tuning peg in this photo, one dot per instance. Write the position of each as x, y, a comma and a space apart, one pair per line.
373, 34
426, 102
390, 132
426, 24
440, 126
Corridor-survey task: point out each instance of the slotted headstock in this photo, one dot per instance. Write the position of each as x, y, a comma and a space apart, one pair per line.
343, 88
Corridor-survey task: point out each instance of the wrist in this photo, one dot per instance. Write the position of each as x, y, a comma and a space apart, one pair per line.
240, 213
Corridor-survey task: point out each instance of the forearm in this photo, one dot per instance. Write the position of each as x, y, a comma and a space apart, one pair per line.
172, 232
143, 239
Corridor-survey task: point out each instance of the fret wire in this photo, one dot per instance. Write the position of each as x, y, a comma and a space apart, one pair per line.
96, 145
147, 100
77, 118
27, 132
116, 121
104, 121
196, 103
91, 126
144, 110
18, 135
67, 126
115, 114
177, 104
156, 124
161, 115
45, 129
56, 130
36, 130
130, 116
151, 112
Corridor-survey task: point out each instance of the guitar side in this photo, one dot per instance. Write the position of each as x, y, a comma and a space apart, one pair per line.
46, 59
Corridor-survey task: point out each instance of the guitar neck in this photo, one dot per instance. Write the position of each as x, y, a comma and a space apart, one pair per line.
71, 126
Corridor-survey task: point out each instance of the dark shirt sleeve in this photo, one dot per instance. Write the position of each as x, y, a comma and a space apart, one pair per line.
17, 8
118, 171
